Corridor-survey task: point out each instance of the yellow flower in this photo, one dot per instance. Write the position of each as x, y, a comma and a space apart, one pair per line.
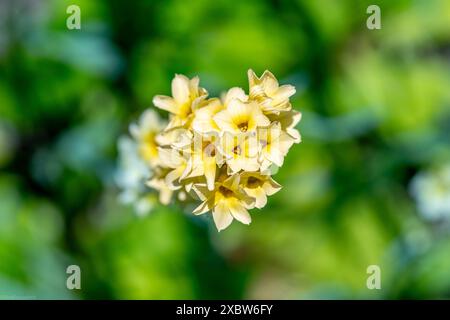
267, 92
186, 97
145, 133
173, 137
227, 201
204, 158
203, 117
199, 155
218, 151
274, 145
241, 117
240, 152
234, 93
288, 120
258, 186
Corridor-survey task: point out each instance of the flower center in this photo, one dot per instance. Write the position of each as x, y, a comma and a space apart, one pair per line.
209, 149
185, 109
237, 150
148, 147
253, 182
226, 192
264, 143
243, 126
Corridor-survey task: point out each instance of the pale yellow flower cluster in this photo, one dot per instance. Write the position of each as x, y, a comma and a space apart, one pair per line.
219, 151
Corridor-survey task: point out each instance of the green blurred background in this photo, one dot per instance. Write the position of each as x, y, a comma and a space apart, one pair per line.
376, 111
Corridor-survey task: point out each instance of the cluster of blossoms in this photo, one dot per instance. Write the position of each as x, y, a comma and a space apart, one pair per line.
221, 152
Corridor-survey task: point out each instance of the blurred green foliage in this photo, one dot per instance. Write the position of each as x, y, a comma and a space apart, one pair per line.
376, 109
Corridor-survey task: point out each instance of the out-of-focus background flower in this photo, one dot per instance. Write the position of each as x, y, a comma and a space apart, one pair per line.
368, 185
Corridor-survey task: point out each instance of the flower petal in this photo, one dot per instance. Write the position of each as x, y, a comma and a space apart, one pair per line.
270, 83
252, 78
232, 182
225, 121
180, 88
202, 208
165, 195
165, 103
259, 195
210, 171
222, 216
170, 157
271, 187
239, 110
284, 92
173, 177
239, 212
234, 93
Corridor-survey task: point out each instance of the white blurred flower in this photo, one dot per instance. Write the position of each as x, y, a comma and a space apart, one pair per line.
431, 190
145, 132
158, 183
131, 176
